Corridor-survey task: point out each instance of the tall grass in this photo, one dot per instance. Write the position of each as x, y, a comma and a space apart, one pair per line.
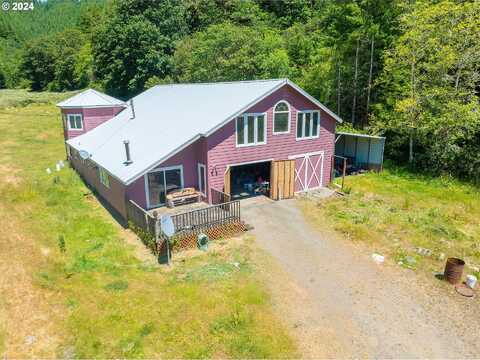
113, 305
398, 211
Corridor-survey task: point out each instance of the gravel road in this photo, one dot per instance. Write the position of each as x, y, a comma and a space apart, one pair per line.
340, 303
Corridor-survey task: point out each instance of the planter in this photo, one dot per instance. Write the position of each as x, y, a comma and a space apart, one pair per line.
453, 270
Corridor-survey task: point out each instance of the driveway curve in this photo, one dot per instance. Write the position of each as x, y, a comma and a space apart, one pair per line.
339, 303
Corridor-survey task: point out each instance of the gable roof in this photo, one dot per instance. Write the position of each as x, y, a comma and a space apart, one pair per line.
90, 98
168, 118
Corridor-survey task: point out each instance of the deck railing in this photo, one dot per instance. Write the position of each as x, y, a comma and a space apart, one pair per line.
219, 197
143, 224
201, 219
217, 221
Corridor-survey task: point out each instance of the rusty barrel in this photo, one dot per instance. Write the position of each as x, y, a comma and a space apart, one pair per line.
453, 270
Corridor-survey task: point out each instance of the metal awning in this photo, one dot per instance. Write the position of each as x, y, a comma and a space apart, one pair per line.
340, 133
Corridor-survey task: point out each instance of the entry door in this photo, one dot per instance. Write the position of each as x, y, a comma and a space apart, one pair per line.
308, 171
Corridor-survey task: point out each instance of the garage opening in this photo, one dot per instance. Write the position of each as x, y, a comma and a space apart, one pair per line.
250, 180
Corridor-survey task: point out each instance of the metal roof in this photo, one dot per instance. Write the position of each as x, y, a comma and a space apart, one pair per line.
90, 98
167, 119
360, 135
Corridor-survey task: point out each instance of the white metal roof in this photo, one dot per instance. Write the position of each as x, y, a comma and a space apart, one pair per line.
360, 135
167, 119
90, 98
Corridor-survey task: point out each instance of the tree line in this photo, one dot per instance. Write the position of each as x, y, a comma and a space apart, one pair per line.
407, 69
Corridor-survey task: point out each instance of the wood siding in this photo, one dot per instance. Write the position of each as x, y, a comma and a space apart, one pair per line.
222, 150
92, 117
188, 158
282, 179
114, 196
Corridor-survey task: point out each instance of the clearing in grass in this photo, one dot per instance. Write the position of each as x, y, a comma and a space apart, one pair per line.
397, 212
72, 287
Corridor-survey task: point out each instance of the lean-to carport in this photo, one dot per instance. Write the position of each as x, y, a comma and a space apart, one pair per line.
357, 153
362, 151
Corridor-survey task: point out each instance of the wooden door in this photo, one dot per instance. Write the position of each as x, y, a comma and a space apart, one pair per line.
282, 179
226, 181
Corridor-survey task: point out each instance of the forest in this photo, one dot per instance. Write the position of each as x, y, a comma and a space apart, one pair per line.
402, 68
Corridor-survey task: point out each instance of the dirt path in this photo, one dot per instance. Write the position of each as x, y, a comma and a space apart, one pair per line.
339, 303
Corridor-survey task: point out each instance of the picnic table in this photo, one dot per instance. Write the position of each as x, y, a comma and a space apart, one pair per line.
183, 196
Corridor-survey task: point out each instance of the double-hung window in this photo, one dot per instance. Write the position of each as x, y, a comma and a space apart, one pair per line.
104, 179
75, 121
251, 129
308, 124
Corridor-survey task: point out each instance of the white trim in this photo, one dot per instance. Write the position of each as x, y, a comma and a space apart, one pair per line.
147, 190
315, 101
246, 107
226, 121
303, 112
93, 106
199, 166
248, 163
73, 115
260, 98
360, 135
163, 159
255, 130
306, 162
289, 119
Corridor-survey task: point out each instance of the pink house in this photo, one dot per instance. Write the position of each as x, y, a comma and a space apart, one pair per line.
226, 137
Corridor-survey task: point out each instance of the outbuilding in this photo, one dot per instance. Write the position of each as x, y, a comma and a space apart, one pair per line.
358, 152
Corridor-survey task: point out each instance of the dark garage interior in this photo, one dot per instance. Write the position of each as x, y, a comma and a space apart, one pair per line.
250, 180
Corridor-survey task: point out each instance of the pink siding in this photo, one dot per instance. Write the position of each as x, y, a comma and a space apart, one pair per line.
92, 117
188, 158
136, 192
222, 149
219, 149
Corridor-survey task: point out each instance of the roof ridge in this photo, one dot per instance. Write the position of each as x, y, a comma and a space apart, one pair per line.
222, 82
99, 93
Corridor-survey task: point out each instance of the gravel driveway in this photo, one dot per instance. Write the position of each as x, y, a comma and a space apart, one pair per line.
339, 303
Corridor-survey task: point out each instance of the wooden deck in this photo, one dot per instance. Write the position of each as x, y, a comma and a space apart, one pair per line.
164, 210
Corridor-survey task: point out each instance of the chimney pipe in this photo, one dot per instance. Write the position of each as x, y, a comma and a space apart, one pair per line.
133, 109
127, 152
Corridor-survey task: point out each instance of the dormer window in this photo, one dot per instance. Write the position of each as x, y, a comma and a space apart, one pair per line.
281, 118
75, 121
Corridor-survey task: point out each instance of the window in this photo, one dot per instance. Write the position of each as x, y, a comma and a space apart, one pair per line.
202, 179
281, 118
104, 179
308, 124
75, 121
161, 182
251, 129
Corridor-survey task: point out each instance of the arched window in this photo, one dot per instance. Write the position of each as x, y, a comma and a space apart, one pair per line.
281, 118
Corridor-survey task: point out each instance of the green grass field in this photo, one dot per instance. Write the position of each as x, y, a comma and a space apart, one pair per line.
84, 293
396, 212
21, 97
